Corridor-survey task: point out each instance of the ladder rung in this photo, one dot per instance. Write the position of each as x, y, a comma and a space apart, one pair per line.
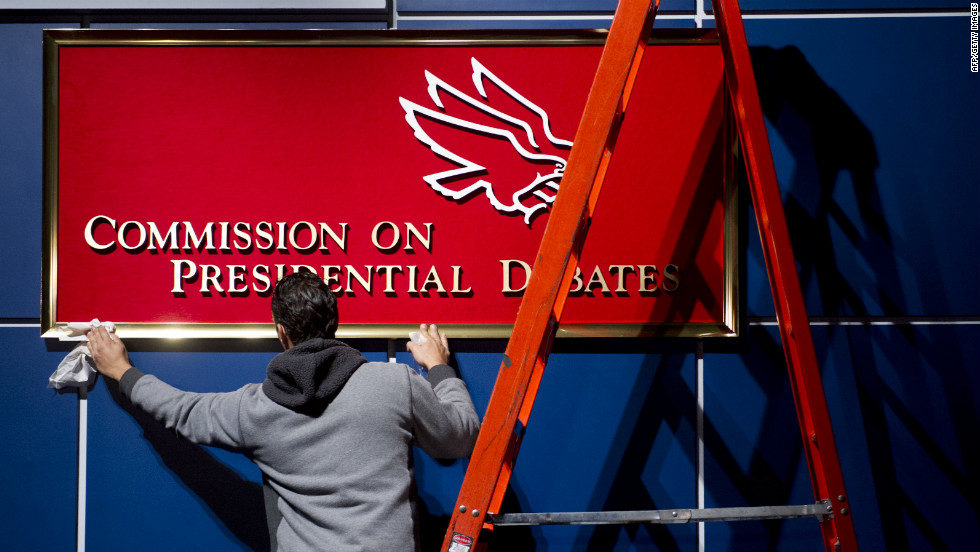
817, 510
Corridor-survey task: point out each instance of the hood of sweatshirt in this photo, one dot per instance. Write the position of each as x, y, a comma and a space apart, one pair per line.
308, 376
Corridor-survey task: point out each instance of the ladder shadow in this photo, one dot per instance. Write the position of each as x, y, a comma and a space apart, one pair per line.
662, 400
785, 77
665, 401
832, 149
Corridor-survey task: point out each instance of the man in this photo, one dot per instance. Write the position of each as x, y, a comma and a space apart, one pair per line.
331, 432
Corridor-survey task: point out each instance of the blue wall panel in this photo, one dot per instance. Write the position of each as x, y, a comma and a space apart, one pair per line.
335, 25
529, 24
611, 431
554, 6
479, 24
753, 451
903, 403
144, 481
20, 163
38, 447
874, 139
848, 5
136, 465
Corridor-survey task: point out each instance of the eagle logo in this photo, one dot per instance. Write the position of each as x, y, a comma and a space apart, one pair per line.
500, 144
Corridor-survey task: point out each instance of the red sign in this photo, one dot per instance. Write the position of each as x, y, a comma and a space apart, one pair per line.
186, 172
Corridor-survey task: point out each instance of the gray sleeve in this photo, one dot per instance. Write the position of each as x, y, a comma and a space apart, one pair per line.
445, 421
202, 418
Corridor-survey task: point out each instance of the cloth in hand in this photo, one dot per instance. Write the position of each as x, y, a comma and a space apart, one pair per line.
77, 369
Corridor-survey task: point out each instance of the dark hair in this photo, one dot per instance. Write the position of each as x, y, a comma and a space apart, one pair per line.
305, 307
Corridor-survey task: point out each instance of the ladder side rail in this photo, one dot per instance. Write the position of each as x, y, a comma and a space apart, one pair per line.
811, 404
552, 272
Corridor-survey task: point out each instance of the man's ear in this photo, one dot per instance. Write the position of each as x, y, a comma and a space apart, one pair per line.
283, 338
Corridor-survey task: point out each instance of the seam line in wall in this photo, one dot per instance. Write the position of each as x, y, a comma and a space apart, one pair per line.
688, 16
771, 321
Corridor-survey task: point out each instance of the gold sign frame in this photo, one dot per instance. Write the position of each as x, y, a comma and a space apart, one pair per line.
54, 40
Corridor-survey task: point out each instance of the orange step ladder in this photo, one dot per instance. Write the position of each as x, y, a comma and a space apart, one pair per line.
476, 511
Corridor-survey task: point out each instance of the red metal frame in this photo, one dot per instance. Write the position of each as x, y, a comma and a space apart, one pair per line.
527, 351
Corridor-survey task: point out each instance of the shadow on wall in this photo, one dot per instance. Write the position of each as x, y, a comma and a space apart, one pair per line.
829, 143
236, 504
433, 527
662, 399
826, 139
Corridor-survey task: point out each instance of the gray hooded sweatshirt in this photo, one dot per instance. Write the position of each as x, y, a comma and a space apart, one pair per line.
332, 435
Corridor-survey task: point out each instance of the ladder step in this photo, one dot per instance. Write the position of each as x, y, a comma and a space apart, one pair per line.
819, 510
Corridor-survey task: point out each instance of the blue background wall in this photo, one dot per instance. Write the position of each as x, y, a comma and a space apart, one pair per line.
874, 121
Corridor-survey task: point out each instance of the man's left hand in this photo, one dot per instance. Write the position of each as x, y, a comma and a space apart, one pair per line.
433, 350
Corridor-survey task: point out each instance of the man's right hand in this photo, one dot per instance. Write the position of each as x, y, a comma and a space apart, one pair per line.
433, 351
109, 353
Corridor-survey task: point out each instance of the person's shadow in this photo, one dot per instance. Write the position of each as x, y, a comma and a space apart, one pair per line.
237, 504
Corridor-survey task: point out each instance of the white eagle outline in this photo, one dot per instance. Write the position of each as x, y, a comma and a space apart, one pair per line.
467, 167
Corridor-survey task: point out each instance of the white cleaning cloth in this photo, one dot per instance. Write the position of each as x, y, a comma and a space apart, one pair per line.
75, 331
77, 369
